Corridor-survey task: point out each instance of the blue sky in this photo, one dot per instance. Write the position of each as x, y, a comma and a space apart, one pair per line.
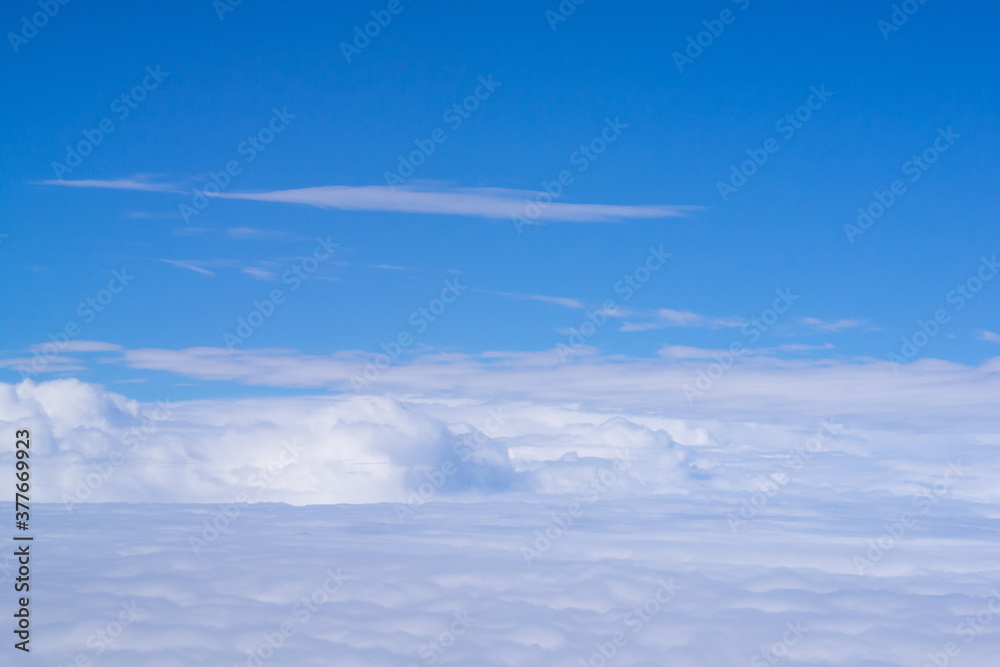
554, 90
596, 277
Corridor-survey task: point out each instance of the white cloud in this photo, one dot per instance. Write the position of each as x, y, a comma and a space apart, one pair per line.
79, 346
984, 334
830, 326
401, 587
139, 182
254, 234
43, 363
391, 267
493, 203
664, 318
153, 215
556, 431
260, 274
373, 445
812, 386
191, 265
565, 302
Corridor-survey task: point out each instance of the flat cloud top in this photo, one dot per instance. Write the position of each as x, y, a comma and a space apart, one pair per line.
352, 586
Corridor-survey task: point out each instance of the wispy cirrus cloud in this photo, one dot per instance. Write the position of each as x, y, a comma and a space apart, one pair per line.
80, 346
192, 265
685, 353
565, 302
390, 267
492, 203
262, 270
430, 198
254, 234
139, 182
829, 326
151, 215
990, 336
260, 274
665, 318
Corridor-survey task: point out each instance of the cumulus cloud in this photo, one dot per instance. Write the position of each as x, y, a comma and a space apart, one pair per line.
366, 448
567, 511
101, 446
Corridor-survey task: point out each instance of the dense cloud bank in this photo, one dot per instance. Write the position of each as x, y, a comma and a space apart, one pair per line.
509, 532
655, 581
92, 445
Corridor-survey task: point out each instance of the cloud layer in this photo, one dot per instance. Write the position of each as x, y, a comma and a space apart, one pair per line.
453, 587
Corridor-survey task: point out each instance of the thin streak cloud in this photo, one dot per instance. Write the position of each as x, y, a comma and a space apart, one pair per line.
491, 203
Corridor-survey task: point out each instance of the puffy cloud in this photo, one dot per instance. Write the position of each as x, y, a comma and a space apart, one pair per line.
100, 446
